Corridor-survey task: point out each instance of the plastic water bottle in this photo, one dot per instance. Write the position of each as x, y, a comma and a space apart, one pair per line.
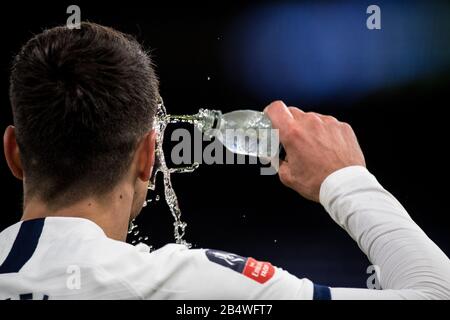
246, 132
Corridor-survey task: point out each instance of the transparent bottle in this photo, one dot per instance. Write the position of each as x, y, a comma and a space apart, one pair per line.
246, 132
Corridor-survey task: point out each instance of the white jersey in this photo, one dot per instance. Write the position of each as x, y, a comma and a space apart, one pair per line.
72, 258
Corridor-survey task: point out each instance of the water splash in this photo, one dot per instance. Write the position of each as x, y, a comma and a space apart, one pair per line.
131, 226
205, 120
133, 233
161, 122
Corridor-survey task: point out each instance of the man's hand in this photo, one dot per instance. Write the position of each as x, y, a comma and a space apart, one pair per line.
315, 145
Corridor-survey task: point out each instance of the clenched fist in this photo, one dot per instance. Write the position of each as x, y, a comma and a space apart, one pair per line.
315, 145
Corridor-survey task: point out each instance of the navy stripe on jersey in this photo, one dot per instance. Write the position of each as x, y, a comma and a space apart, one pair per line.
321, 292
24, 245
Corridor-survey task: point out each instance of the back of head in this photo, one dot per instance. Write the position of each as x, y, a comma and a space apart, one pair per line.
81, 100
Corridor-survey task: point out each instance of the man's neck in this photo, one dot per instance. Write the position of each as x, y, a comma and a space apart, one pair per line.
111, 213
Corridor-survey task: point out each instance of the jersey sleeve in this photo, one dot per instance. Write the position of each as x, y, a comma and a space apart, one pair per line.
408, 264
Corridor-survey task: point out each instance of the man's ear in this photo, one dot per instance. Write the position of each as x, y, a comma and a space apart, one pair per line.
146, 156
12, 153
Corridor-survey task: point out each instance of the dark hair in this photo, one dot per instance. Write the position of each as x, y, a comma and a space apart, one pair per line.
81, 100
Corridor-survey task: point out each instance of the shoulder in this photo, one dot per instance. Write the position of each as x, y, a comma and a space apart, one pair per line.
176, 272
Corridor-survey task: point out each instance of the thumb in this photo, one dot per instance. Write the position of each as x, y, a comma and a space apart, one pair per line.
279, 115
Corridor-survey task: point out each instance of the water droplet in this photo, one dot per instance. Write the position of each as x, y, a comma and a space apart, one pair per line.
144, 204
275, 240
208, 78
131, 226
140, 239
157, 197
133, 242
146, 238
136, 233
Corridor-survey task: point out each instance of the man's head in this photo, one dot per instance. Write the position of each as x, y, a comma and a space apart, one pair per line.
83, 101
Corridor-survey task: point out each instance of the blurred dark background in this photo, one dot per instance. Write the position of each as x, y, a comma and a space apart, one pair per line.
391, 85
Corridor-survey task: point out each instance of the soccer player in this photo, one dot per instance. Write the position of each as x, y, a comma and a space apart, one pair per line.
83, 103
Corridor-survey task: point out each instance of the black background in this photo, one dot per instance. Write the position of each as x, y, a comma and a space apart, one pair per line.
402, 131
